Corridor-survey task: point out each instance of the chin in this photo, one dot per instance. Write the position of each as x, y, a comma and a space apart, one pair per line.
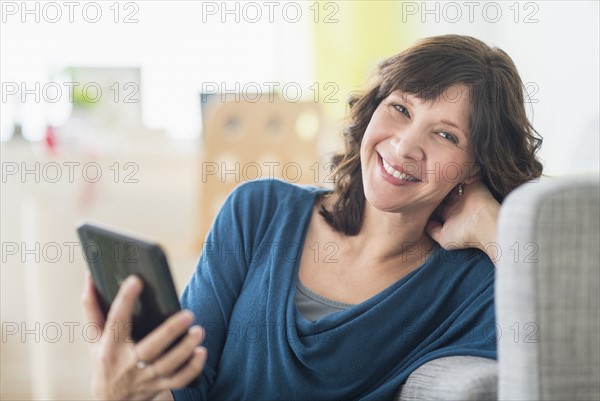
385, 201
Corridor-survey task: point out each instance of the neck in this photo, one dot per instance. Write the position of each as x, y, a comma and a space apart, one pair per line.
391, 235
388, 236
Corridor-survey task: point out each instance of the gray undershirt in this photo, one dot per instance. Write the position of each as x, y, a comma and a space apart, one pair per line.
314, 306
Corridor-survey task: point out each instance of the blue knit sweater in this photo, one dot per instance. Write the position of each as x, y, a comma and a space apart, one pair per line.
261, 348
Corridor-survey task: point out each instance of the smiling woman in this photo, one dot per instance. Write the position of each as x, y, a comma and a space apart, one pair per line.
405, 147
306, 293
449, 69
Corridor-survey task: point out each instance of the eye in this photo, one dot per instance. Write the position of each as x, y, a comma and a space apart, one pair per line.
401, 109
446, 135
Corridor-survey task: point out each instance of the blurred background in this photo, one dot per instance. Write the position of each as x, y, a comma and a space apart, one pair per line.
142, 115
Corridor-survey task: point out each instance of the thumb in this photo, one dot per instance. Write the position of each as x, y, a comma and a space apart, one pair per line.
434, 229
91, 306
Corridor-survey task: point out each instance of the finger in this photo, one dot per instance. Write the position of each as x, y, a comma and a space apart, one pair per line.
121, 310
187, 373
91, 306
176, 357
434, 229
155, 343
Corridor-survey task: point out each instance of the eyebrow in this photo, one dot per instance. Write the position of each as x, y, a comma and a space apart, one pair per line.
406, 99
450, 123
402, 96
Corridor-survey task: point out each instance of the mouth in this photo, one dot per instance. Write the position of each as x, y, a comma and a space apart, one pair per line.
397, 174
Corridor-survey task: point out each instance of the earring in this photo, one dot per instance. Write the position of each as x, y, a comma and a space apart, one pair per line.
460, 189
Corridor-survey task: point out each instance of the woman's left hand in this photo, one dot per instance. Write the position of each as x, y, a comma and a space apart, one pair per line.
469, 221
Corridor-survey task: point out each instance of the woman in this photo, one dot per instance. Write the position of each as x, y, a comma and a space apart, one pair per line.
303, 293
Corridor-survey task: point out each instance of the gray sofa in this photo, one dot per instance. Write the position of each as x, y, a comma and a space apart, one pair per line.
547, 303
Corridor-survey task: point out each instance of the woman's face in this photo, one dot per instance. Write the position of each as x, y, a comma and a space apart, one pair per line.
414, 153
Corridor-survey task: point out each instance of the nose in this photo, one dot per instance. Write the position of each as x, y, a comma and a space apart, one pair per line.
408, 143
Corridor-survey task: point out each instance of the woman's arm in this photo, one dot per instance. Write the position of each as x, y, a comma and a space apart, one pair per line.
469, 221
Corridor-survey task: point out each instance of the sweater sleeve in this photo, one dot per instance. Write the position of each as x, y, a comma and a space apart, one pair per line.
213, 289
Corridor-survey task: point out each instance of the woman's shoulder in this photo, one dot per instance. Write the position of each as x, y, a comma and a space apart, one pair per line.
266, 208
262, 200
465, 262
276, 189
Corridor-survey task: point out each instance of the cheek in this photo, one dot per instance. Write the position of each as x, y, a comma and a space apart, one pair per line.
375, 132
448, 170
451, 173
368, 140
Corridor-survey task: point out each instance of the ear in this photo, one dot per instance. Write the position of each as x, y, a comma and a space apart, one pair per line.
474, 174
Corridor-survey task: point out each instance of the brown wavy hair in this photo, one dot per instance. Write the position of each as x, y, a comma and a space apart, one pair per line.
502, 139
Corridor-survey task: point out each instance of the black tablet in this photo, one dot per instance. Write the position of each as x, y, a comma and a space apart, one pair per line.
112, 256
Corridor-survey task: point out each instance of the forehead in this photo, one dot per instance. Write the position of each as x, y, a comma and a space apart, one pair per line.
454, 93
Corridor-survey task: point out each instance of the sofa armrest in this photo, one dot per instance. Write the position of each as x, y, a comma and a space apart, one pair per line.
547, 291
452, 378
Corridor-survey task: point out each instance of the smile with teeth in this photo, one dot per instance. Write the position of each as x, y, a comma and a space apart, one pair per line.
395, 173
